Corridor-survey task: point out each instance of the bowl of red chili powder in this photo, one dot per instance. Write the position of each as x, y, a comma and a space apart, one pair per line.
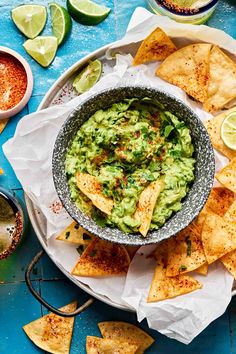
16, 82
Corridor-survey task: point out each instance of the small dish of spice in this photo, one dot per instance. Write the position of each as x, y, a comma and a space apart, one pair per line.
16, 82
13, 222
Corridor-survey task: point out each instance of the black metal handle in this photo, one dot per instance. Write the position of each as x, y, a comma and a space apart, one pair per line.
41, 300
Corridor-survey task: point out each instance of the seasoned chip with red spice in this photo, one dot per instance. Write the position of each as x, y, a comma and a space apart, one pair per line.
102, 258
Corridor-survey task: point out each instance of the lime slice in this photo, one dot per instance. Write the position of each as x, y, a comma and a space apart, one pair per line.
29, 19
228, 131
42, 49
87, 12
61, 22
88, 76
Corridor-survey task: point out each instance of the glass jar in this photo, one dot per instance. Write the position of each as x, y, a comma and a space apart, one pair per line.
13, 222
197, 12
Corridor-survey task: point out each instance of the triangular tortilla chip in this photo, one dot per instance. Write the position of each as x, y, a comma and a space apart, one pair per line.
95, 345
51, 332
185, 252
90, 186
218, 237
213, 127
203, 270
127, 332
146, 204
222, 81
157, 46
188, 68
227, 176
75, 234
102, 258
229, 260
230, 215
218, 203
163, 287
3, 123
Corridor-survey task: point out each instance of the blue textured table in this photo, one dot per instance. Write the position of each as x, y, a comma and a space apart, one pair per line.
17, 306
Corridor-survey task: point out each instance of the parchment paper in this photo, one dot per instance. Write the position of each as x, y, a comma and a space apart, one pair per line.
30, 153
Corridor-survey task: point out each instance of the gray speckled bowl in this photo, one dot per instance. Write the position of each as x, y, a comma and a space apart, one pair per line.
204, 168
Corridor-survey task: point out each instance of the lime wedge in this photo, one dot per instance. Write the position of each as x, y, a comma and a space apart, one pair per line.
61, 22
87, 12
29, 19
88, 76
228, 131
42, 49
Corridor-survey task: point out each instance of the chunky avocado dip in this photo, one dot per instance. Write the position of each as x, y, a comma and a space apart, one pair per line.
126, 147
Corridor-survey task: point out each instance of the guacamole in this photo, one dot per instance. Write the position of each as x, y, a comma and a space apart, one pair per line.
126, 147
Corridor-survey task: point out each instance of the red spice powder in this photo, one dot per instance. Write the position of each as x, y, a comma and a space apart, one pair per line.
13, 81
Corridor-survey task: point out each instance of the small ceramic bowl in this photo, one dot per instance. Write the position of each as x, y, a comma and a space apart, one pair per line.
13, 229
17, 108
204, 167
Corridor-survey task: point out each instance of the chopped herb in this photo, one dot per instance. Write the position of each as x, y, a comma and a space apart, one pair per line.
67, 234
180, 125
189, 244
80, 249
168, 129
86, 236
175, 153
137, 153
93, 253
182, 267
76, 226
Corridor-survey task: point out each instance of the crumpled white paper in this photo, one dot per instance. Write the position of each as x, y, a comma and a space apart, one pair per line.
30, 153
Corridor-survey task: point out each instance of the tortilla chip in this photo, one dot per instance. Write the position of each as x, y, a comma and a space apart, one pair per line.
229, 260
222, 81
185, 252
51, 332
157, 46
132, 250
127, 332
203, 270
95, 345
75, 234
218, 203
230, 215
188, 68
146, 204
1, 171
3, 123
163, 287
218, 237
92, 189
213, 127
102, 258
227, 176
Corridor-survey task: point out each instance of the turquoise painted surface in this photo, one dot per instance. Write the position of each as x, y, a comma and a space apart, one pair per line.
17, 306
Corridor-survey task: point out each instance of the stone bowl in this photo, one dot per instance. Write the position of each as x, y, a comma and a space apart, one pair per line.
204, 167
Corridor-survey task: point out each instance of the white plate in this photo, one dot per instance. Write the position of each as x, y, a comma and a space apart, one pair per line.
62, 92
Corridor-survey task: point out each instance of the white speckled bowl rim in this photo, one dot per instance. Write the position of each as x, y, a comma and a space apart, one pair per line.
204, 168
